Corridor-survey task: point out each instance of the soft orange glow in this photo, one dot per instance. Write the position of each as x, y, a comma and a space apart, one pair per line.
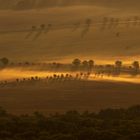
121, 78
12, 74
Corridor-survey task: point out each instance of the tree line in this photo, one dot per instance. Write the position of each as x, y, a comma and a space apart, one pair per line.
78, 65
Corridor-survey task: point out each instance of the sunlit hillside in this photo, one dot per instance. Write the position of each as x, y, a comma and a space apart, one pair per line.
65, 40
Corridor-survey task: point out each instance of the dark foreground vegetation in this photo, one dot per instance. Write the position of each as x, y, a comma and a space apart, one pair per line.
109, 124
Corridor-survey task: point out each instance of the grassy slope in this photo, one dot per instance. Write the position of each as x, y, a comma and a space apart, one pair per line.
91, 96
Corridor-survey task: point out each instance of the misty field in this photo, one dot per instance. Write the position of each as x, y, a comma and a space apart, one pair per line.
57, 87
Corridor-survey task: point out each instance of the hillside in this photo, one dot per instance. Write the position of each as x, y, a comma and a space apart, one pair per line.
65, 42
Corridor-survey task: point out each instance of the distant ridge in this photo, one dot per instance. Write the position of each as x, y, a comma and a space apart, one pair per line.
31, 4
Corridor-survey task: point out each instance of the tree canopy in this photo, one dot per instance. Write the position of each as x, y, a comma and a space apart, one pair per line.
109, 124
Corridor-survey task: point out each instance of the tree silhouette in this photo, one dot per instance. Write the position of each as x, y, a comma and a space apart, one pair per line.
118, 64
85, 64
4, 61
76, 63
91, 63
136, 66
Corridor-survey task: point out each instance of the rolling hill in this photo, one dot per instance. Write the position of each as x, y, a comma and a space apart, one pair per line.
120, 42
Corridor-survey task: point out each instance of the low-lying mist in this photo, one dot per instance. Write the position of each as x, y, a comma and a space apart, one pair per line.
11, 74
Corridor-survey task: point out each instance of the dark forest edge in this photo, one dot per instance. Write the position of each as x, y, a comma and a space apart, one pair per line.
108, 124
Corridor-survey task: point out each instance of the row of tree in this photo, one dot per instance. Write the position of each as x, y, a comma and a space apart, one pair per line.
76, 64
86, 64
118, 64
